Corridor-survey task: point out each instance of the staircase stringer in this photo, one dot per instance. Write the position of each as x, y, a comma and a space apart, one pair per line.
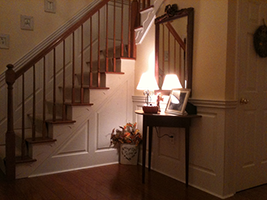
147, 18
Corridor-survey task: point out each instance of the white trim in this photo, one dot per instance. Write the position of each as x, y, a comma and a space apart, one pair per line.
69, 170
224, 104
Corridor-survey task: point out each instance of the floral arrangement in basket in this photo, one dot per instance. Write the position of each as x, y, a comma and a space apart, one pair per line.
126, 134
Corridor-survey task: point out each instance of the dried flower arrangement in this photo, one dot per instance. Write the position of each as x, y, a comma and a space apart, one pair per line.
128, 134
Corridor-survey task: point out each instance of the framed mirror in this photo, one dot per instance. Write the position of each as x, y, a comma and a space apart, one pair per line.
174, 46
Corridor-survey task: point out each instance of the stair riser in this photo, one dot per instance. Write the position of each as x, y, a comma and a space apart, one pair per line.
95, 79
18, 140
38, 123
77, 97
117, 51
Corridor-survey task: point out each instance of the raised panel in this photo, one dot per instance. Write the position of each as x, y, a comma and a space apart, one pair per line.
251, 72
264, 72
77, 143
203, 143
253, 11
263, 153
171, 148
249, 139
111, 115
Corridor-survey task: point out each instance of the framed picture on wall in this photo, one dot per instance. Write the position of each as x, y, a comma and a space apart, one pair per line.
177, 101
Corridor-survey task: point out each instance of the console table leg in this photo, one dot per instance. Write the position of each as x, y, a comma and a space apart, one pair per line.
144, 149
150, 146
186, 155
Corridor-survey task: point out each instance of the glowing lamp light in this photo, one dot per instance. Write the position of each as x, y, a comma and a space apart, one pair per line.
171, 81
148, 83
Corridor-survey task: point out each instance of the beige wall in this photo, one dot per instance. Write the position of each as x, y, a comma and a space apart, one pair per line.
214, 48
22, 41
214, 43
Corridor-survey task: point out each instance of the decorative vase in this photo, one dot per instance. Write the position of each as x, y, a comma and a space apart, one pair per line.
129, 154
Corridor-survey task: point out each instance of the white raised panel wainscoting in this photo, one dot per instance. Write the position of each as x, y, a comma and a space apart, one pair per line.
86, 143
212, 147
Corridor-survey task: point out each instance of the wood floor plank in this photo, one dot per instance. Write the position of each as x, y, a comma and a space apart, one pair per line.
112, 182
51, 181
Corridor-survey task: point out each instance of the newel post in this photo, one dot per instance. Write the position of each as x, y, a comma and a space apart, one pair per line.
10, 134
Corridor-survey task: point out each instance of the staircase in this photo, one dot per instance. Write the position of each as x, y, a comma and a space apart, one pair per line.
64, 102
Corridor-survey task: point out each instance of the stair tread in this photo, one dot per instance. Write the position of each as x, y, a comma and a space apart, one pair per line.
60, 121
69, 103
24, 159
98, 88
87, 87
114, 72
106, 72
147, 9
78, 104
40, 140
56, 121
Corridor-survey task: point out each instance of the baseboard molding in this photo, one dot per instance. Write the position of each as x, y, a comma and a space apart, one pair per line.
69, 170
211, 193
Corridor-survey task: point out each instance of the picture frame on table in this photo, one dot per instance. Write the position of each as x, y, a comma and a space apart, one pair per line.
177, 101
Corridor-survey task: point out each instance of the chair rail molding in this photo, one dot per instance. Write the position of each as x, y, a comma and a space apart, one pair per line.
223, 104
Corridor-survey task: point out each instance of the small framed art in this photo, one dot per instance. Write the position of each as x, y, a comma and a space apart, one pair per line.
177, 101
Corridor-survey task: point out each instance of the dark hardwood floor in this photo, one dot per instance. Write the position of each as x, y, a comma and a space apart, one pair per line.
110, 182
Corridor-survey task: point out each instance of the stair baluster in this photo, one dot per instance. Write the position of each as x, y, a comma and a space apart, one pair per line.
23, 118
63, 71
122, 46
114, 37
82, 77
64, 83
91, 54
73, 68
33, 103
107, 33
98, 52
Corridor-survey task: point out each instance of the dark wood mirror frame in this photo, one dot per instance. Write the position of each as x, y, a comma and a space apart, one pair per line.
189, 13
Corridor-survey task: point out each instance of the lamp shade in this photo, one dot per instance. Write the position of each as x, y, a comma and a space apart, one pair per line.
171, 81
147, 82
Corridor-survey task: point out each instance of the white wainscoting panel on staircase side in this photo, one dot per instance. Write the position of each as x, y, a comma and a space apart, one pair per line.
86, 142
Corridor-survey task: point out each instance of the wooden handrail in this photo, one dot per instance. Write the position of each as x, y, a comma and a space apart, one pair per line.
59, 39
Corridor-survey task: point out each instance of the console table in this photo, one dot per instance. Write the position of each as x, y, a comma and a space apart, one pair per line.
164, 120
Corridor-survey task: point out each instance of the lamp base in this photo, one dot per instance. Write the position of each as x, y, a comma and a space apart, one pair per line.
150, 109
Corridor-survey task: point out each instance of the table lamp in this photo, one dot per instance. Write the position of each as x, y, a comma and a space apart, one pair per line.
148, 83
170, 82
